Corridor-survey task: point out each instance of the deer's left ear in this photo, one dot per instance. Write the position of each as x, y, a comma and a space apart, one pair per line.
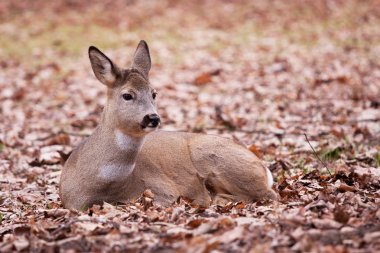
141, 60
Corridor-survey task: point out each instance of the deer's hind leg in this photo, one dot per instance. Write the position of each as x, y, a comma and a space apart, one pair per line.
230, 169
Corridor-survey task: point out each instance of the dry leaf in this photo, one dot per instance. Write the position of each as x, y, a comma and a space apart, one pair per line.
344, 188
256, 150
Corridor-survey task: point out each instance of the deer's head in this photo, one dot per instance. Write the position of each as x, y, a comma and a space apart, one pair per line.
131, 106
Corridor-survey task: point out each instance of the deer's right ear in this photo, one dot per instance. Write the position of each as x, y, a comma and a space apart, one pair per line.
103, 68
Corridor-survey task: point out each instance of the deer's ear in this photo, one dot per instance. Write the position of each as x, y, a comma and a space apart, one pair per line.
141, 60
103, 68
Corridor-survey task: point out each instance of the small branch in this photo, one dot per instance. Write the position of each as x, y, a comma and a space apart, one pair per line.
315, 153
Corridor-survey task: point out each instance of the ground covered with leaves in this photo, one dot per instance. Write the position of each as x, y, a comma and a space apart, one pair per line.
297, 82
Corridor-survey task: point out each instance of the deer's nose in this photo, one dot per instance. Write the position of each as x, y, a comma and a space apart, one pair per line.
151, 120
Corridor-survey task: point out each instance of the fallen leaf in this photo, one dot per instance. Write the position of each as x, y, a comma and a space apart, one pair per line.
256, 150
344, 188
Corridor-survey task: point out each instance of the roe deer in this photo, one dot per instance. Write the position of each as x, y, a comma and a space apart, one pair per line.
125, 156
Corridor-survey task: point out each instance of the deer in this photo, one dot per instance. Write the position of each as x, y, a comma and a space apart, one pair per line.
127, 154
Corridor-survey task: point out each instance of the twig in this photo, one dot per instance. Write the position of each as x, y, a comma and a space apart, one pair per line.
315, 153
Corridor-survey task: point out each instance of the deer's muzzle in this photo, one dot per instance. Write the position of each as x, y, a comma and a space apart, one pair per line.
150, 120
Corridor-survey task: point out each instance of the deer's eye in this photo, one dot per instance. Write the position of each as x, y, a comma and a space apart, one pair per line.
154, 95
127, 96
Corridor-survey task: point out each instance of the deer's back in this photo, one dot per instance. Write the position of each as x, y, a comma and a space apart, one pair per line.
193, 165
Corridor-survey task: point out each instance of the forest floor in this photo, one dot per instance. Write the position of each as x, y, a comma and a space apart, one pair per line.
281, 77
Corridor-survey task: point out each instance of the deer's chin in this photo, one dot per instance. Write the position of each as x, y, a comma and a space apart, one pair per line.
149, 129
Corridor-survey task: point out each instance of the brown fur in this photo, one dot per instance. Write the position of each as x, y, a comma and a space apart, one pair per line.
203, 168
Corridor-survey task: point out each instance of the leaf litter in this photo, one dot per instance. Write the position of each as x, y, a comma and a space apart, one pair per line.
263, 74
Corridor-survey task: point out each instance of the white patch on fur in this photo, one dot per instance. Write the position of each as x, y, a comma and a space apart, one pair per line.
128, 143
150, 129
120, 170
115, 171
270, 178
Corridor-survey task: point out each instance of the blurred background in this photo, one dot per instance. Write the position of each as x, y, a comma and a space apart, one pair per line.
262, 72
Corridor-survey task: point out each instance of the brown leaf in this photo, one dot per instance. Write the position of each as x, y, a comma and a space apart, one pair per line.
240, 205
195, 223
19, 94
148, 193
346, 188
226, 208
203, 79
256, 150
288, 193
206, 77
60, 139
146, 200
55, 213
341, 215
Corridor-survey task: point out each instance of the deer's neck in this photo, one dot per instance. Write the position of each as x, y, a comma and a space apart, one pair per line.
122, 154
129, 145
124, 143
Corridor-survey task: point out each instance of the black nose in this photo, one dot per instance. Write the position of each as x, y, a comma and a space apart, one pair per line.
151, 120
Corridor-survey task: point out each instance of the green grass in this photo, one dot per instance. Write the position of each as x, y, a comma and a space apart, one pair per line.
377, 159
331, 154
69, 41
84, 207
70, 37
66, 40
